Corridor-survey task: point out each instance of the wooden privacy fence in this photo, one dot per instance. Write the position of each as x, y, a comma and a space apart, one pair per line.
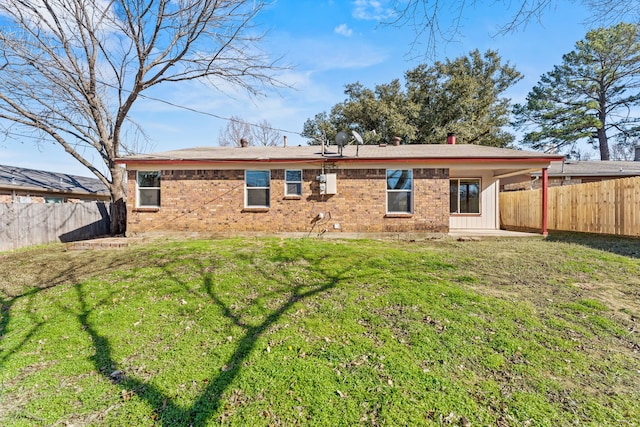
27, 224
606, 207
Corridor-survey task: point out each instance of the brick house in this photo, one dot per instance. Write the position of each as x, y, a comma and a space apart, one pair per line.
305, 189
23, 185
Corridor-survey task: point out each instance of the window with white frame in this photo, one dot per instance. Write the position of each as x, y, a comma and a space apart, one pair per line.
148, 183
257, 188
50, 199
293, 183
464, 196
399, 190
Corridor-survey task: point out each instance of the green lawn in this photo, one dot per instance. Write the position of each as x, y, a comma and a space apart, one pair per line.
278, 332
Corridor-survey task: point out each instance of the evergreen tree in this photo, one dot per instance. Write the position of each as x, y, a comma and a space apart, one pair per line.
378, 114
589, 97
462, 96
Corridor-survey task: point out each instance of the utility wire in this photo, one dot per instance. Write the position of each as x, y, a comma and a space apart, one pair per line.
193, 110
182, 107
229, 119
14, 135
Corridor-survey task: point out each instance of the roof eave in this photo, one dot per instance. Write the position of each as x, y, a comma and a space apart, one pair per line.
577, 174
171, 161
55, 191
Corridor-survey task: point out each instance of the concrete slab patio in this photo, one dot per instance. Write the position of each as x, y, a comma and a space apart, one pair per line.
479, 233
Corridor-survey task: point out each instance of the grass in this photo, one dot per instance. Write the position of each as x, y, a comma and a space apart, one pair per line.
526, 332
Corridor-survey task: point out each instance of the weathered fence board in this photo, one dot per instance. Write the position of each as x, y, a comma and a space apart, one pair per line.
27, 224
605, 207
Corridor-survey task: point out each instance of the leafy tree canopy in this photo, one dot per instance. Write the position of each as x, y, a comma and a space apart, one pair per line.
464, 96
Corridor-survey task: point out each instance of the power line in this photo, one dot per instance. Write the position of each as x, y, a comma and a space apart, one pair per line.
172, 104
193, 110
43, 139
229, 119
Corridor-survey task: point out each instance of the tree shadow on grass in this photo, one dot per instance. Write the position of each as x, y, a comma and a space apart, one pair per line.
209, 401
6, 304
47, 278
620, 245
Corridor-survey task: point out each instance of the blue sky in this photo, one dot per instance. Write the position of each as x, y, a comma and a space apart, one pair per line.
330, 43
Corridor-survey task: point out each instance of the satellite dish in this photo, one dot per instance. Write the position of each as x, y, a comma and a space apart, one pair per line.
359, 140
357, 136
340, 140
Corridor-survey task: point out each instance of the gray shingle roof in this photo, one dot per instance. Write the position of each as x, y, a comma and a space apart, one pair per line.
594, 168
413, 151
13, 177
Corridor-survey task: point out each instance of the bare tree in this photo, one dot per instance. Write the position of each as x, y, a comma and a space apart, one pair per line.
623, 151
264, 134
610, 12
579, 154
236, 130
71, 70
436, 21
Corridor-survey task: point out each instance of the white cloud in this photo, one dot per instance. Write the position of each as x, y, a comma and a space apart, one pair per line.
343, 30
340, 54
369, 10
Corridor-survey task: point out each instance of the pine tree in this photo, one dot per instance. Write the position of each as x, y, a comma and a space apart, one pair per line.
589, 97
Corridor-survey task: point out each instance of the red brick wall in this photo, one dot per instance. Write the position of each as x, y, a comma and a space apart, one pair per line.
213, 201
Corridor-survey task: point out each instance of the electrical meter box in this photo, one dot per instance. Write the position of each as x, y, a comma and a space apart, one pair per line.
328, 183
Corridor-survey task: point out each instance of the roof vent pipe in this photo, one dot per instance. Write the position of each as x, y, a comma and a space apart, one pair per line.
451, 138
396, 140
243, 143
637, 156
285, 140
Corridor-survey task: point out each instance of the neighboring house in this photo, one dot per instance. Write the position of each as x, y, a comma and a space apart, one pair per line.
574, 172
369, 189
580, 172
21, 185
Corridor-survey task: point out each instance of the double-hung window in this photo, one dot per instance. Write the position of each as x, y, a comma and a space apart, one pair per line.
257, 187
293, 183
464, 196
399, 190
148, 189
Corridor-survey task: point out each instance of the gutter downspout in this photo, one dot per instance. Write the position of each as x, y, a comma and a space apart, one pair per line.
545, 201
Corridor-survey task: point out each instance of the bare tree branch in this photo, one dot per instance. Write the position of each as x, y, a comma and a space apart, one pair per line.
265, 135
72, 70
236, 130
439, 21
610, 12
